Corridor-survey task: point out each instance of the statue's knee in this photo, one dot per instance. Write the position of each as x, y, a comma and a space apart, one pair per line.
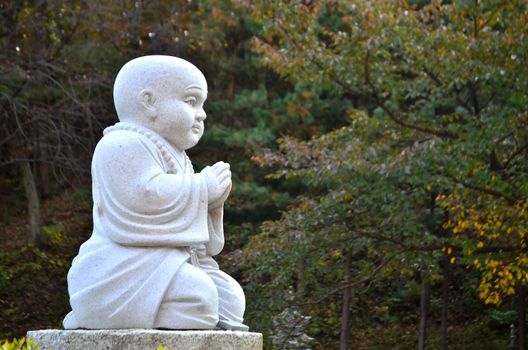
206, 295
239, 302
232, 299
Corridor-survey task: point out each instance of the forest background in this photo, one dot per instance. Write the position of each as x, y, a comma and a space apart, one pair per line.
379, 152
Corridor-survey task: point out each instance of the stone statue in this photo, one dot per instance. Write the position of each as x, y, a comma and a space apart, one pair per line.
157, 223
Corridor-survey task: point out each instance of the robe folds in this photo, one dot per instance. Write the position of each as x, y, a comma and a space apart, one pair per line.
149, 210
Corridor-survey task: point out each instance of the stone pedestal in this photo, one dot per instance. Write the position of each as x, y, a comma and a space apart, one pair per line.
145, 339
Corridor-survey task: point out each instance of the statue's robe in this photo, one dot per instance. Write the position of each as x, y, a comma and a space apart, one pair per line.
149, 210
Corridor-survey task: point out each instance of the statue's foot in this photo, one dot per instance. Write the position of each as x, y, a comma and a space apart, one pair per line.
232, 326
70, 322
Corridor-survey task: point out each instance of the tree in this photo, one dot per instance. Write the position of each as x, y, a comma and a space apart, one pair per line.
37, 95
433, 161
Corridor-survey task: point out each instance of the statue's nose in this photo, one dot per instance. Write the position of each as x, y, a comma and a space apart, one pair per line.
200, 116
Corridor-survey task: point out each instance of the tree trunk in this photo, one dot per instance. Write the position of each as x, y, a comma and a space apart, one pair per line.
345, 311
424, 309
522, 317
445, 303
231, 90
33, 202
91, 131
300, 278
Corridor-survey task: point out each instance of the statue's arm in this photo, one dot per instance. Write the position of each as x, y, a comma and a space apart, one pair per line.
133, 173
216, 231
137, 203
216, 225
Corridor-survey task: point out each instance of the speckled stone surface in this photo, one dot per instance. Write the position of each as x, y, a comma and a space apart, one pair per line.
145, 339
157, 224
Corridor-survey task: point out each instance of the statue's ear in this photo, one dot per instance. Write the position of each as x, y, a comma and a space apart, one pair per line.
147, 99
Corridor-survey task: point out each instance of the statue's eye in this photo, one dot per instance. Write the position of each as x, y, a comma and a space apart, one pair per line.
191, 101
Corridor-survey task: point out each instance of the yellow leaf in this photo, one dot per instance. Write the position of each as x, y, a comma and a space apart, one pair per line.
336, 253
348, 197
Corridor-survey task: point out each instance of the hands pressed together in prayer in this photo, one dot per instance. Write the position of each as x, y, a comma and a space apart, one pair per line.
218, 183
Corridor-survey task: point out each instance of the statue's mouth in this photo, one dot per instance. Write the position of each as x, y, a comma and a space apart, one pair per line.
197, 129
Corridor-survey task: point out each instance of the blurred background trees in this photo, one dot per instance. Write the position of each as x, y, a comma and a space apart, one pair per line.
379, 152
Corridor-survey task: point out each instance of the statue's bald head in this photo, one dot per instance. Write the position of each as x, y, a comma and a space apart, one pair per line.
150, 77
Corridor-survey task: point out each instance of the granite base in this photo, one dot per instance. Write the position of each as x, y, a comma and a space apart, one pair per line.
145, 339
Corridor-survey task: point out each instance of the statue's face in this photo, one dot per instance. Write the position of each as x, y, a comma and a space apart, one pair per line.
179, 108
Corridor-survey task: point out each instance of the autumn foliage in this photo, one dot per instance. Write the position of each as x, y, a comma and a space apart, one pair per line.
379, 152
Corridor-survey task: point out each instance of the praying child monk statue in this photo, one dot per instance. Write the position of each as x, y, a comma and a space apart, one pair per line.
157, 223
